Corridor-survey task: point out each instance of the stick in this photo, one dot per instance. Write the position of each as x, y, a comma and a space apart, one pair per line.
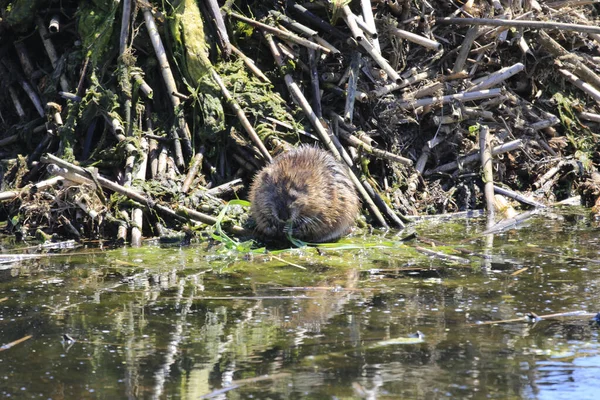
519, 23
242, 117
503, 148
125, 23
352, 83
367, 13
192, 171
586, 87
314, 83
589, 116
84, 176
325, 26
217, 17
281, 34
51, 51
250, 64
497, 77
350, 20
13, 194
580, 69
488, 173
168, 78
386, 155
517, 196
463, 97
296, 26
418, 39
382, 62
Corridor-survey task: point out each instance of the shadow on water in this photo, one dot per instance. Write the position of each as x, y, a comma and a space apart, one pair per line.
187, 322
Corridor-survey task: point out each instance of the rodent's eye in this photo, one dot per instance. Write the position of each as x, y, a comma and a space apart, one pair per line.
293, 195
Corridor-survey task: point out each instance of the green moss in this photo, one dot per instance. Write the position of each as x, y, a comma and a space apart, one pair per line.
95, 25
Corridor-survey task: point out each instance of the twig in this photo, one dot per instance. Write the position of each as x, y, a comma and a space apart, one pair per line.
382, 62
365, 28
382, 205
465, 48
532, 317
14, 343
13, 194
314, 83
510, 223
579, 68
443, 256
294, 25
589, 116
87, 177
350, 20
319, 22
221, 190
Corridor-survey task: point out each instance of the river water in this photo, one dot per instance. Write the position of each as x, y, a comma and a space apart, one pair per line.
205, 322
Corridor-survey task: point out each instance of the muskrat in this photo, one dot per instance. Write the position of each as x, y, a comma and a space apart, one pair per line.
305, 193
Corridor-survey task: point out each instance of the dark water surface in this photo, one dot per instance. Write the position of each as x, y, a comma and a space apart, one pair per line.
190, 322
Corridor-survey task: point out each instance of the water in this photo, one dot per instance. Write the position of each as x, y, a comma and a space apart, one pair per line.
190, 322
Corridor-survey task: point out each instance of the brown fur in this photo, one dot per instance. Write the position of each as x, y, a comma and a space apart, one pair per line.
305, 190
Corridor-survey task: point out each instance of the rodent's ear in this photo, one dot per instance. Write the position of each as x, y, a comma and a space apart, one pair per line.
266, 177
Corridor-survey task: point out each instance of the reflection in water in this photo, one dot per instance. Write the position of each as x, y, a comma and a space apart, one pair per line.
166, 323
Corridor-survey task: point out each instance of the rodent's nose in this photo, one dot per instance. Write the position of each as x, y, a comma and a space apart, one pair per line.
283, 214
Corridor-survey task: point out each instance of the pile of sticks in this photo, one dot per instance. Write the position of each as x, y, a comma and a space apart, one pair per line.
436, 107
